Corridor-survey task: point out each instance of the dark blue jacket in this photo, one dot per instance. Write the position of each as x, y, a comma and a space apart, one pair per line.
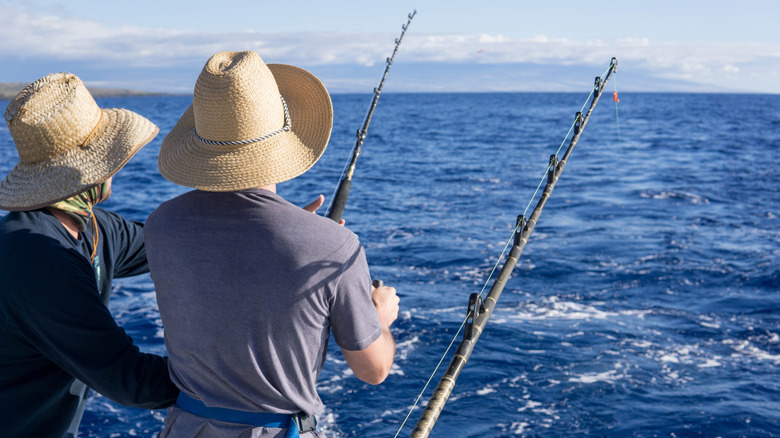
55, 325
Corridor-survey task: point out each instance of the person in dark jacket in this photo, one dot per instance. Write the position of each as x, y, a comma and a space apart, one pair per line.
58, 256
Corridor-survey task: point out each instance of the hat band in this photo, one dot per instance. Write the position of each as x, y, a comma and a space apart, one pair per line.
91, 133
286, 127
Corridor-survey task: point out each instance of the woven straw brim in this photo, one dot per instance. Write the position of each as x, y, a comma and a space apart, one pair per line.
187, 161
120, 134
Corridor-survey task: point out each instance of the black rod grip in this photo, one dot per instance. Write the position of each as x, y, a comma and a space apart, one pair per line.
340, 200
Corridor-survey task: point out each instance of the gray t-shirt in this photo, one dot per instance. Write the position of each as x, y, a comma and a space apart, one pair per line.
248, 287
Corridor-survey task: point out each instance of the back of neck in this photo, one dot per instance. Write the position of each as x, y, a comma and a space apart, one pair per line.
66, 221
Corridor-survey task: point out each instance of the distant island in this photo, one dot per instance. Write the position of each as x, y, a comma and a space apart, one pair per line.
8, 90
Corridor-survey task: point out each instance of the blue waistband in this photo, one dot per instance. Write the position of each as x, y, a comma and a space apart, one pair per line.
257, 419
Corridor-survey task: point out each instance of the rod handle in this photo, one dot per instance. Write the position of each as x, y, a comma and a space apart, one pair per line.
340, 200
378, 283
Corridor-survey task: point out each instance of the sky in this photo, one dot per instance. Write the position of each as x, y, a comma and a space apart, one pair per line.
450, 46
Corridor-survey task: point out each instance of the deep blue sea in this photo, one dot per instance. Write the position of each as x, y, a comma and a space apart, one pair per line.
646, 303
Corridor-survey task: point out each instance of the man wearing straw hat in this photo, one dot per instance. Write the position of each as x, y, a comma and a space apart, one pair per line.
58, 255
250, 286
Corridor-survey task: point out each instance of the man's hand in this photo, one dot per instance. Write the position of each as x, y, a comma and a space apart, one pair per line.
314, 206
386, 303
372, 365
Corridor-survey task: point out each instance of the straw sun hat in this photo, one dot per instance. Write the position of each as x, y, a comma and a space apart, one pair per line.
66, 143
250, 124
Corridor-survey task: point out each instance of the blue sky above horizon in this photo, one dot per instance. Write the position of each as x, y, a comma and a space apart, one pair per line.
664, 45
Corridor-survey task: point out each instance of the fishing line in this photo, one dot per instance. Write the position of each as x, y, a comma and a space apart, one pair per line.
538, 186
417, 400
617, 100
544, 176
476, 303
444, 355
347, 161
339, 197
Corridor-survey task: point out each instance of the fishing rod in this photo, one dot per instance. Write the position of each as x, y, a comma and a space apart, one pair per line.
479, 310
339, 200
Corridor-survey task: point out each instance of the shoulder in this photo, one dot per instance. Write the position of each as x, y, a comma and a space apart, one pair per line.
111, 219
181, 203
173, 213
29, 232
34, 260
325, 231
32, 221
273, 207
115, 225
315, 234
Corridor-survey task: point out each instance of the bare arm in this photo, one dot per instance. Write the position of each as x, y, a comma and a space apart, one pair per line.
372, 364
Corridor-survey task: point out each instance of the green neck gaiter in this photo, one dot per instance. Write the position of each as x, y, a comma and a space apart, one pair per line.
79, 207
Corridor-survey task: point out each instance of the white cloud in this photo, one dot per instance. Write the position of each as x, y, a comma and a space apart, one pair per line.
28, 36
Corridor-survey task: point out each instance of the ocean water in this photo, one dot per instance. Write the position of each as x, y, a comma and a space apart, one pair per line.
646, 303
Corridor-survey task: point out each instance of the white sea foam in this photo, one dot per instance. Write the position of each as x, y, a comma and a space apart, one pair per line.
435, 311
98, 399
516, 379
709, 363
642, 344
552, 308
670, 358
610, 376
689, 197
327, 420
324, 387
545, 411
402, 349
529, 404
485, 391
518, 428
396, 370
746, 348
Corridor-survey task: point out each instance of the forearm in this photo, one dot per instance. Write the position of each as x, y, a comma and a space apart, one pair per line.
372, 365
121, 373
142, 381
387, 356
74, 330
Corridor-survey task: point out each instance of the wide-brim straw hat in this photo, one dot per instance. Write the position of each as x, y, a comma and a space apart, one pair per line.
66, 143
251, 124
